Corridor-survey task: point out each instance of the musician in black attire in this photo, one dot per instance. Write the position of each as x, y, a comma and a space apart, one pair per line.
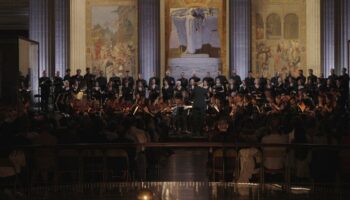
332, 79
274, 80
23, 89
183, 80
301, 76
58, 86
257, 90
199, 96
116, 82
128, 79
262, 81
65, 97
279, 87
110, 91
232, 87
96, 92
127, 91
243, 89
154, 90
321, 86
102, 81
45, 86
219, 90
291, 85
167, 91
78, 78
178, 90
310, 89
67, 77
89, 80
312, 77
195, 78
236, 77
289, 78
209, 80
154, 77
344, 84
142, 81
249, 81
140, 89
222, 78
169, 79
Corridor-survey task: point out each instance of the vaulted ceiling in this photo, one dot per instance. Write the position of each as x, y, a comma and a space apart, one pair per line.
14, 14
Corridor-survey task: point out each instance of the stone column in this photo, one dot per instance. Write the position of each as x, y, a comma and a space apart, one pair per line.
61, 35
149, 37
240, 38
77, 35
40, 30
328, 39
344, 34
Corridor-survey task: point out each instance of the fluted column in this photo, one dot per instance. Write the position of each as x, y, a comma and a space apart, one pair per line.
149, 37
77, 34
240, 36
328, 39
61, 35
344, 34
40, 30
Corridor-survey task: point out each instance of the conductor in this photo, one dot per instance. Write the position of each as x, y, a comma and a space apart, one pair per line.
199, 96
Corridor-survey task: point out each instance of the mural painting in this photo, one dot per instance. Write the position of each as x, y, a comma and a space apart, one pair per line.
112, 38
279, 42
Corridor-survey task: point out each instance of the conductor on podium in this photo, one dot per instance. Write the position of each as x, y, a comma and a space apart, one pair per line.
199, 96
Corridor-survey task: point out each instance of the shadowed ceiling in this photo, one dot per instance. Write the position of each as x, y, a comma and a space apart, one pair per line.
14, 14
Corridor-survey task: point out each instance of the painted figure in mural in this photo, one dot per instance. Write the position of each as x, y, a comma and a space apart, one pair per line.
195, 27
259, 34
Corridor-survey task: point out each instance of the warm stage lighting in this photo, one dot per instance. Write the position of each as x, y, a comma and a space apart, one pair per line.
145, 195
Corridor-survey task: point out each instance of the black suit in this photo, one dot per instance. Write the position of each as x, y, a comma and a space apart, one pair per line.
45, 84
199, 96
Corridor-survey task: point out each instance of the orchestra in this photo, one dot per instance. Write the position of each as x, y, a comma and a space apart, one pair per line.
173, 100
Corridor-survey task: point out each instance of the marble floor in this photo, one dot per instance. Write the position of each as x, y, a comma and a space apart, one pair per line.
183, 177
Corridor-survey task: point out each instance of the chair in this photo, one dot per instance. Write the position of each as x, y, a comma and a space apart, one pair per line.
219, 158
117, 165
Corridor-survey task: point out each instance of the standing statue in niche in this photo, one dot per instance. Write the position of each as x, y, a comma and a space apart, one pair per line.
192, 28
